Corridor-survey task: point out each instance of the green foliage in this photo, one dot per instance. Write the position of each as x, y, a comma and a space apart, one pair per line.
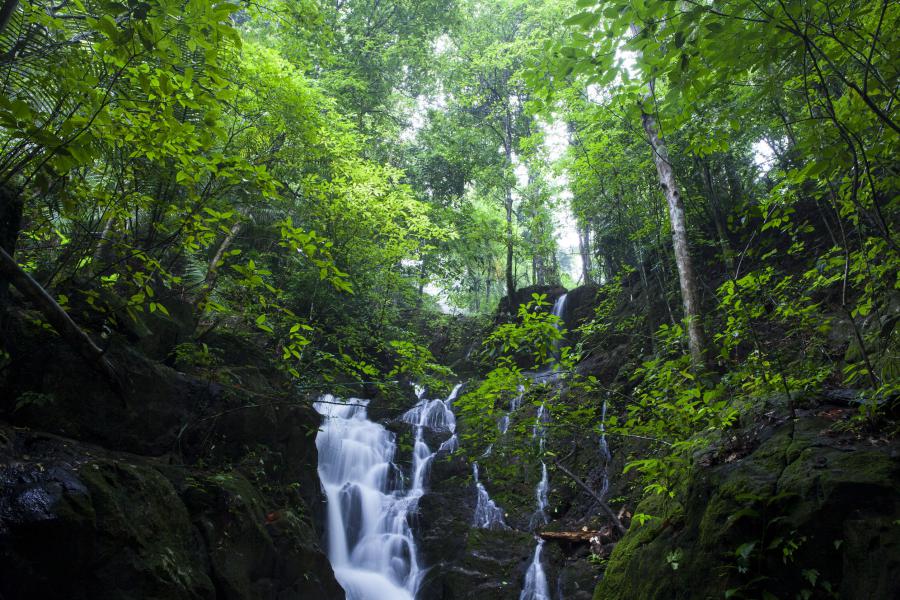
679, 412
416, 363
535, 336
536, 333
193, 355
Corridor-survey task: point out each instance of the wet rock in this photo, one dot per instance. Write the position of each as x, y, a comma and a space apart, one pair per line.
80, 522
801, 513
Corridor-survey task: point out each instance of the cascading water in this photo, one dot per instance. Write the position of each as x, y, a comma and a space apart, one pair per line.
536, 586
604, 454
503, 424
435, 415
540, 515
370, 542
514, 404
487, 514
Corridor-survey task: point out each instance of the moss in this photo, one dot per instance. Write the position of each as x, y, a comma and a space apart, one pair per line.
616, 581
248, 539
144, 541
837, 505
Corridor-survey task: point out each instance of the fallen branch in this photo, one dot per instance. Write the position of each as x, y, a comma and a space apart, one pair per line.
575, 536
77, 339
610, 514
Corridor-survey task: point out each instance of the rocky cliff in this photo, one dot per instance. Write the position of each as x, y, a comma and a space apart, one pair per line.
173, 487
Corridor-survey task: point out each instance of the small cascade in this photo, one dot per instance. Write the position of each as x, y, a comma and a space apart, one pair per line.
536, 586
487, 514
370, 542
540, 426
514, 405
434, 415
540, 515
550, 373
503, 424
605, 455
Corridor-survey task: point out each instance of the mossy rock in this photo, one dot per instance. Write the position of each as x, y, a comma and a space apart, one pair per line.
802, 507
100, 530
256, 550
80, 523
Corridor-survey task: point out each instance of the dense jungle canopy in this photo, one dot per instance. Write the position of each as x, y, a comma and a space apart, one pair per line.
353, 195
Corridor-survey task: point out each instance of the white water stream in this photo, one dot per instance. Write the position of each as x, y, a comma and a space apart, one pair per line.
370, 542
487, 514
536, 587
371, 545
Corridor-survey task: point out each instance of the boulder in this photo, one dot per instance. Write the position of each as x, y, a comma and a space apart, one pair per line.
807, 513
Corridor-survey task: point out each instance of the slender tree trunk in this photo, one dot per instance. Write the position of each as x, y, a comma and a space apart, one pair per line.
687, 278
420, 298
11, 206
212, 270
537, 266
102, 243
718, 220
6, 12
476, 294
554, 269
510, 279
584, 248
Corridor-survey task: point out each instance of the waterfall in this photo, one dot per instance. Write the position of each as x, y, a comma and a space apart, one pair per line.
514, 404
503, 425
604, 454
550, 373
487, 514
434, 415
540, 515
536, 587
370, 542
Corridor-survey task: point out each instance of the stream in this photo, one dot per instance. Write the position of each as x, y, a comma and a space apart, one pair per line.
370, 502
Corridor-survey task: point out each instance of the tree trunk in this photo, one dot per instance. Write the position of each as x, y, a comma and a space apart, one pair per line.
212, 270
718, 219
510, 279
423, 271
687, 278
554, 269
584, 248
6, 12
11, 206
538, 268
77, 339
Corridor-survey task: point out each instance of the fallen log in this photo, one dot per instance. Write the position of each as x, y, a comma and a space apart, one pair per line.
573, 536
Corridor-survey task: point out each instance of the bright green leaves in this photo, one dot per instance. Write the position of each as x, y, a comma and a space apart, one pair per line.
316, 250
251, 277
584, 20
416, 363
679, 412
536, 333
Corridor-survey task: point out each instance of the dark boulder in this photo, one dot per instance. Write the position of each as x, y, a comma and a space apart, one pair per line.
805, 512
80, 522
